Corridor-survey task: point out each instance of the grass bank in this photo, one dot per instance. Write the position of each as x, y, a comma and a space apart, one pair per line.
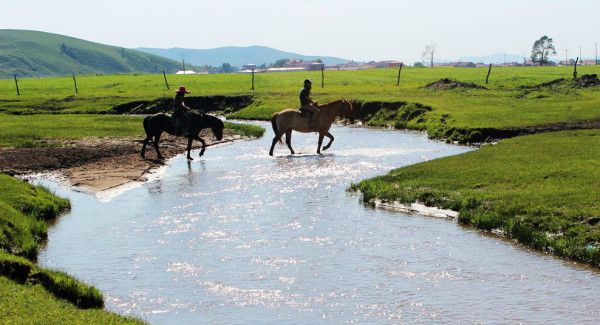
33, 304
541, 190
31, 294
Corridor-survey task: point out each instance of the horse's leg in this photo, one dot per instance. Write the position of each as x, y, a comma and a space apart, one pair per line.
288, 140
189, 148
275, 139
330, 141
321, 136
148, 138
203, 145
156, 140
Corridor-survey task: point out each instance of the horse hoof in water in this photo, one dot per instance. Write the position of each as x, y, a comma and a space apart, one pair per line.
190, 158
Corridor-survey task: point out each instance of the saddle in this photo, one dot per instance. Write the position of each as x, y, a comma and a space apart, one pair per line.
303, 113
307, 115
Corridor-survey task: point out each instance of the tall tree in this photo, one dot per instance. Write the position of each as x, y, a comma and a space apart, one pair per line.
429, 54
542, 50
226, 68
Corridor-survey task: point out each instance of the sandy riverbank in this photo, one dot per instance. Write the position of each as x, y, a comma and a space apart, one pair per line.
97, 164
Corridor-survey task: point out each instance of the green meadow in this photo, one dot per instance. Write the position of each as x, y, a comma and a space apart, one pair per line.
504, 105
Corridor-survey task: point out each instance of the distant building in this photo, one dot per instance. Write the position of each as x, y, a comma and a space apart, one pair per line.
588, 62
465, 65
249, 66
316, 66
568, 62
286, 69
386, 64
190, 72
530, 63
308, 65
251, 70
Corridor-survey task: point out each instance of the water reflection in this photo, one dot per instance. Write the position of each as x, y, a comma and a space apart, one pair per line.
239, 237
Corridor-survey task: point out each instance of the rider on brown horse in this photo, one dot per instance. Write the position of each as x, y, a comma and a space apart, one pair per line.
307, 105
180, 111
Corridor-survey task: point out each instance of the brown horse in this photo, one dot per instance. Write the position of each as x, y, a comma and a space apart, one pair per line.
290, 119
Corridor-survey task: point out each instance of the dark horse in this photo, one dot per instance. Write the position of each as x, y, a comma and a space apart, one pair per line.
156, 124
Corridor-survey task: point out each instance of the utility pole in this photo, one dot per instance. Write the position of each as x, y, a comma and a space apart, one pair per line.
75, 82
166, 82
17, 85
399, 72
183, 62
596, 46
567, 57
580, 57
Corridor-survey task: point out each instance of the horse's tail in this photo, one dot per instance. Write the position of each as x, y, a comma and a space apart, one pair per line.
274, 125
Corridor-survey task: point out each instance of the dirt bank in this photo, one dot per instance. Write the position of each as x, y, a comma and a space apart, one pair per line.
96, 164
445, 84
585, 81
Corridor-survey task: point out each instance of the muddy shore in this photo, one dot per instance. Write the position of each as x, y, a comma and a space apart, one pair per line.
97, 164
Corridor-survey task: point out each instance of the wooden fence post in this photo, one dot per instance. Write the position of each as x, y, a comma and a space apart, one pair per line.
399, 72
575, 70
17, 85
166, 82
75, 83
252, 79
487, 79
323, 76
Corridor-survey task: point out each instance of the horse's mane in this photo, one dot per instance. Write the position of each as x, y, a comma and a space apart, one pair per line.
334, 103
205, 120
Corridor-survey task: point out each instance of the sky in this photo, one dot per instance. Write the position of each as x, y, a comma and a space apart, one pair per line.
351, 29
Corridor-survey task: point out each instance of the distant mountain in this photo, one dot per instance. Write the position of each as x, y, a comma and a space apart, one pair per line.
494, 58
235, 55
39, 54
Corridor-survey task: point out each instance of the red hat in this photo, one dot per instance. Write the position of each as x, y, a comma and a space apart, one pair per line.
182, 90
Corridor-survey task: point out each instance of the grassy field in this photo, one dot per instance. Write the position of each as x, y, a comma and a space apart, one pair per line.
454, 113
31, 294
541, 190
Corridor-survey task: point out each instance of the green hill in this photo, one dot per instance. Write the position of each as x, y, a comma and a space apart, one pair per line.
39, 54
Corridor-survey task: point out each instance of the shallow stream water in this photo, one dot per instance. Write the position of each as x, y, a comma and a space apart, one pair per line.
239, 237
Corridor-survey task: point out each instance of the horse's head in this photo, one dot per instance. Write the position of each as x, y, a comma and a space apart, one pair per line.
217, 127
347, 110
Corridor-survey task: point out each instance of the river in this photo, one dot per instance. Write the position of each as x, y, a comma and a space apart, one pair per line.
239, 237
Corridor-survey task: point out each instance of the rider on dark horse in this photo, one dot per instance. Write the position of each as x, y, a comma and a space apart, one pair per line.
180, 111
307, 105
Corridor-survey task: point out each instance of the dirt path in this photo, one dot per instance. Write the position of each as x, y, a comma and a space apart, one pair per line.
96, 164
